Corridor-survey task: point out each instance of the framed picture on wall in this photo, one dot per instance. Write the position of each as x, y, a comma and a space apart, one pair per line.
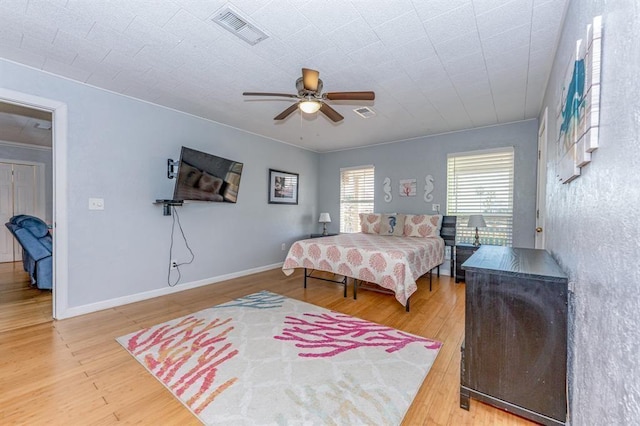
283, 187
408, 187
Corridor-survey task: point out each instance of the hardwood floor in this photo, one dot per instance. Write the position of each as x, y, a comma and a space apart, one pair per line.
74, 372
20, 304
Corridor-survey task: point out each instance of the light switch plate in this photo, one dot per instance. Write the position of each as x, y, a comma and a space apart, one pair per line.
96, 203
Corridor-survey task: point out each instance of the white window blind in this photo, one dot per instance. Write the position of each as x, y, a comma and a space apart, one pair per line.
356, 196
481, 182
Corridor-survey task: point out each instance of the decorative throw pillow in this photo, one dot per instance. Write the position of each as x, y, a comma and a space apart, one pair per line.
392, 224
422, 225
370, 223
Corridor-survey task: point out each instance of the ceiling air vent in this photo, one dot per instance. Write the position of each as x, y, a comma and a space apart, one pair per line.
365, 112
232, 21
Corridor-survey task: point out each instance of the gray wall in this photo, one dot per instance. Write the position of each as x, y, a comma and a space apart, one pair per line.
117, 150
592, 223
417, 158
35, 155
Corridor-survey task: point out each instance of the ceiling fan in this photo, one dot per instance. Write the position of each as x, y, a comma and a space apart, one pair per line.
311, 98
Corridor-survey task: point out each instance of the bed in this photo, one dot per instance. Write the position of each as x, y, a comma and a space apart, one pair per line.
393, 263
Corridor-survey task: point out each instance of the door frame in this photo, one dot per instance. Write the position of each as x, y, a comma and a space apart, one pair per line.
541, 189
59, 133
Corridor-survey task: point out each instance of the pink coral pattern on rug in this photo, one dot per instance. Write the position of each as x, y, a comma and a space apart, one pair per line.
263, 358
165, 349
330, 334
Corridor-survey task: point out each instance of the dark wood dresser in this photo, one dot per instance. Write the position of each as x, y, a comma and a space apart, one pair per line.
514, 355
463, 252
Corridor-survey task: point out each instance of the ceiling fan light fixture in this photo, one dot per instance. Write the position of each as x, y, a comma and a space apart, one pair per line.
310, 106
311, 98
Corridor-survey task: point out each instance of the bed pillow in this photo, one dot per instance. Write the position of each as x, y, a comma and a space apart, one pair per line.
422, 225
370, 223
392, 224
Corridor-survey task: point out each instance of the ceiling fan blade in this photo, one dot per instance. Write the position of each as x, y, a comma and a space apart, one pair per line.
331, 113
287, 112
310, 79
286, 95
350, 96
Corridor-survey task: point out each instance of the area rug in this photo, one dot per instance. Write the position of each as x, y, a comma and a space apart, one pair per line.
268, 359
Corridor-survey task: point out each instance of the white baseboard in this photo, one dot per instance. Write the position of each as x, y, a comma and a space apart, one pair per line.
125, 300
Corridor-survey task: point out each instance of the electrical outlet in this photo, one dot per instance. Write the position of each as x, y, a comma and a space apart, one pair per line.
283, 247
96, 203
174, 264
435, 207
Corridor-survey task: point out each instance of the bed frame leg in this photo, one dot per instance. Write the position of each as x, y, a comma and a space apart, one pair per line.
305, 277
430, 275
344, 283
355, 289
438, 271
408, 303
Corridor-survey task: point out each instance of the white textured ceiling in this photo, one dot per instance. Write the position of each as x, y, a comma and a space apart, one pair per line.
435, 66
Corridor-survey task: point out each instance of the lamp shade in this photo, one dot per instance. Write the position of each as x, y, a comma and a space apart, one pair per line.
324, 218
309, 106
476, 221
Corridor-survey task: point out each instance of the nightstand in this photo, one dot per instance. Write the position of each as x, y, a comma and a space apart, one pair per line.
320, 235
463, 252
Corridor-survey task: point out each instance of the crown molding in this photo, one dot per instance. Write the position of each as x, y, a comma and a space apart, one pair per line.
25, 146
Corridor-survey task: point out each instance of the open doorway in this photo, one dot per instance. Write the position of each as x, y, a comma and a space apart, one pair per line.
26, 188
58, 111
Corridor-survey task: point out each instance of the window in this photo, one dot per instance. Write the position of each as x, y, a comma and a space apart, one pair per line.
481, 182
356, 196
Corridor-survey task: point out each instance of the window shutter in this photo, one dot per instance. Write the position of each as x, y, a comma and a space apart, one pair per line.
356, 196
482, 183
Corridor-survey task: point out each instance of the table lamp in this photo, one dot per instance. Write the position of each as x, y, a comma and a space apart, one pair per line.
324, 219
476, 221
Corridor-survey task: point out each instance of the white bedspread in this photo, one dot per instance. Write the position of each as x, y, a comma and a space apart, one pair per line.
394, 263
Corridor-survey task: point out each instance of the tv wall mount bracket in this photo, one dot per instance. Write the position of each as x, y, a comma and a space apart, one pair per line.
167, 204
172, 173
172, 168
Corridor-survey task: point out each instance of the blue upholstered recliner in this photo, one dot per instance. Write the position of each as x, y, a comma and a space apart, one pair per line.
37, 248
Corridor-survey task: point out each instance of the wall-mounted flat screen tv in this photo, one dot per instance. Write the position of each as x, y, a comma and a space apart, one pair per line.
206, 177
